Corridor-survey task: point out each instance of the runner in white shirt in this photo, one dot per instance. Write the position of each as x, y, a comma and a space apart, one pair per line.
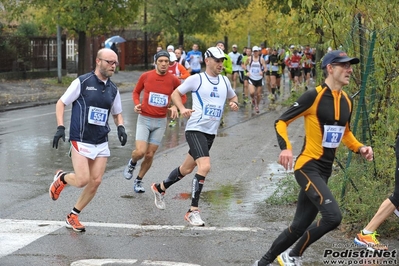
255, 65
209, 92
236, 59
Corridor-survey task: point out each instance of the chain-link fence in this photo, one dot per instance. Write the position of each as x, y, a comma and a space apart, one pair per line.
373, 120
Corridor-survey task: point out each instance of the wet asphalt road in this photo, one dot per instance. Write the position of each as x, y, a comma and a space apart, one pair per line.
125, 228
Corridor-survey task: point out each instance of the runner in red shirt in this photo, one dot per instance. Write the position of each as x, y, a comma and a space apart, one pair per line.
293, 62
156, 85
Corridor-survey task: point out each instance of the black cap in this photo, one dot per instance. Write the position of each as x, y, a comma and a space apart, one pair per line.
162, 53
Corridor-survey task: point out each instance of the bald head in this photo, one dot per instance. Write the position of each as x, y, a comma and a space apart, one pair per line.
104, 52
106, 62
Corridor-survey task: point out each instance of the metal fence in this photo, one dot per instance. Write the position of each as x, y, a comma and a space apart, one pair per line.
39, 54
30, 53
374, 93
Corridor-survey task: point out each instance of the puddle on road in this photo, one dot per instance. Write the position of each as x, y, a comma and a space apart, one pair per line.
239, 200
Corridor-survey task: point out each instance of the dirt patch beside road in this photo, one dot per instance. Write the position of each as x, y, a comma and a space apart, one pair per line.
16, 92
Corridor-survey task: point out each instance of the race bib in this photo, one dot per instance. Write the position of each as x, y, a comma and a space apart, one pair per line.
97, 116
213, 112
195, 62
158, 99
332, 136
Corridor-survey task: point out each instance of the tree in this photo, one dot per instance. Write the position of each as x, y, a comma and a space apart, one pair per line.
82, 17
187, 17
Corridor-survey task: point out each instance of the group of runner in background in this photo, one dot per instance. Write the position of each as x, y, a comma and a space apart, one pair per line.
259, 70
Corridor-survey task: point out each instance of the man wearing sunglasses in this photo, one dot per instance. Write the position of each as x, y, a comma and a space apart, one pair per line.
327, 111
209, 91
94, 97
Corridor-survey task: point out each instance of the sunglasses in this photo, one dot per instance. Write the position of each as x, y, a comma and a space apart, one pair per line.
346, 65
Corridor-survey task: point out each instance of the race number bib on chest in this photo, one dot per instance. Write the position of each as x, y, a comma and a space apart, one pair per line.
332, 136
213, 112
157, 99
98, 116
195, 62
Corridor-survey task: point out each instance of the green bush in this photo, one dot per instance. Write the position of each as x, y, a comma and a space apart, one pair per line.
27, 29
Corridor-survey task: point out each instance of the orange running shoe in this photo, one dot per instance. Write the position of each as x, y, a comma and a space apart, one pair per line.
57, 186
369, 241
72, 222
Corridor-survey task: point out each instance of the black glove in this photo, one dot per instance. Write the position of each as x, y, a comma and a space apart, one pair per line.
122, 135
59, 134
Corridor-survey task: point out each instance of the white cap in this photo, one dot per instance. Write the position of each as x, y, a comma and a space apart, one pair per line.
255, 48
171, 47
234, 46
215, 52
292, 46
172, 57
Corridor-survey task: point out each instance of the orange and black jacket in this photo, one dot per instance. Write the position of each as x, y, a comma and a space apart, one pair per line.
319, 107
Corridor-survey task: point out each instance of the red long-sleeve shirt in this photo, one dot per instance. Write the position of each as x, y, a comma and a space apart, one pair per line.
157, 90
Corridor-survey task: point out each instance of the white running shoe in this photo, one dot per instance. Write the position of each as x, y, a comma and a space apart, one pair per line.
285, 260
194, 218
159, 201
138, 186
128, 171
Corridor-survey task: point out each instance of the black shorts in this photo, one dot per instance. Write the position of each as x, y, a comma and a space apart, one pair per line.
200, 143
295, 72
276, 74
256, 83
241, 76
307, 70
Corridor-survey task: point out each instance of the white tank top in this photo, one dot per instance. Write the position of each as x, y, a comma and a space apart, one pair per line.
255, 69
209, 96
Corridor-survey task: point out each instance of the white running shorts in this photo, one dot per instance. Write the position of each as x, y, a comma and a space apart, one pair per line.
91, 151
